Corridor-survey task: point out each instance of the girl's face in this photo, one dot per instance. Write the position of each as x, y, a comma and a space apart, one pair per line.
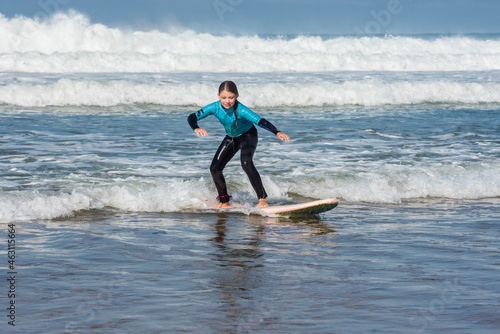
227, 99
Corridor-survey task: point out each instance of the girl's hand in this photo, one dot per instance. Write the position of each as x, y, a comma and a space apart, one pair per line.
201, 132
283, 137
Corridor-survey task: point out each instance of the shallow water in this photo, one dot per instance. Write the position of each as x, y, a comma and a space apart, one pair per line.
419, 267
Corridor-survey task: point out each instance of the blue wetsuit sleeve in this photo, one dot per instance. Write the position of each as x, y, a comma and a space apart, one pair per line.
200, 114
256, 119
248, 114
265, 124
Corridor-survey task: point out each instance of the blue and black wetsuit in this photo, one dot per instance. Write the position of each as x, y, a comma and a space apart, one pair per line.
240, 134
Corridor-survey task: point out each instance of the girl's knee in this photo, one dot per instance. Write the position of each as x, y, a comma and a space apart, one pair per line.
215, 169
247, 165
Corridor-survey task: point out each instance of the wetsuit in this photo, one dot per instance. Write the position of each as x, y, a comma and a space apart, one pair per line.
240, 134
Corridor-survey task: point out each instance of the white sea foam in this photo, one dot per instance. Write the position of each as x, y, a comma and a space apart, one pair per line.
387, 185
365, 92
391, 184
173, 195
69, 42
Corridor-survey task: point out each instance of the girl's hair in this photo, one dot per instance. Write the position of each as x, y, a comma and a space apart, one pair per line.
231, 87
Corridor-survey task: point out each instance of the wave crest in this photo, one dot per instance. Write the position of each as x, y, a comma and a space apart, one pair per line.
365, 92
69, 42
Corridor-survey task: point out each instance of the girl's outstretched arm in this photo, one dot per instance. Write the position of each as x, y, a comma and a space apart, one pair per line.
193, 122
264, 123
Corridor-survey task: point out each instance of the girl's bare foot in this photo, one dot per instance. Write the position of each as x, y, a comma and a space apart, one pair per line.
262, 203
224, 205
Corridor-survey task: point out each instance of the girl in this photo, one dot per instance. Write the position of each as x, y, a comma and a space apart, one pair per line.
238, 121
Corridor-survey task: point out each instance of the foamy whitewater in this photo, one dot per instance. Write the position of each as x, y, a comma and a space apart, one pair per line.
94, 117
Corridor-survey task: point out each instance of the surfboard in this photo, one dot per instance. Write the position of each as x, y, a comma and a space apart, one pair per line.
308, 208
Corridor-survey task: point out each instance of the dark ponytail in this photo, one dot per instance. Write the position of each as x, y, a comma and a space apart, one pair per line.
231, 87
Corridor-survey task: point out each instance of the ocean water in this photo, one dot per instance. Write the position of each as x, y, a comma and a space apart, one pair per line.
109, 196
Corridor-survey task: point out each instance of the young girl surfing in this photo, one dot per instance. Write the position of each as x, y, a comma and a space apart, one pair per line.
238, 121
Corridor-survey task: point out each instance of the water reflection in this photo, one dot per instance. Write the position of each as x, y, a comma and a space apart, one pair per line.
314, 225
238, 245
246, 275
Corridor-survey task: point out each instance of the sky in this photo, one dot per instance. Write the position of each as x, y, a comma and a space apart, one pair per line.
279, 16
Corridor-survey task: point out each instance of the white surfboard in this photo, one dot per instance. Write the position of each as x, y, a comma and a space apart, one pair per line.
308, 208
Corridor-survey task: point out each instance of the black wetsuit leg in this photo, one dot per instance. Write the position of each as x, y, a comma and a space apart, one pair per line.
247, 142
248, 147
224, 154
